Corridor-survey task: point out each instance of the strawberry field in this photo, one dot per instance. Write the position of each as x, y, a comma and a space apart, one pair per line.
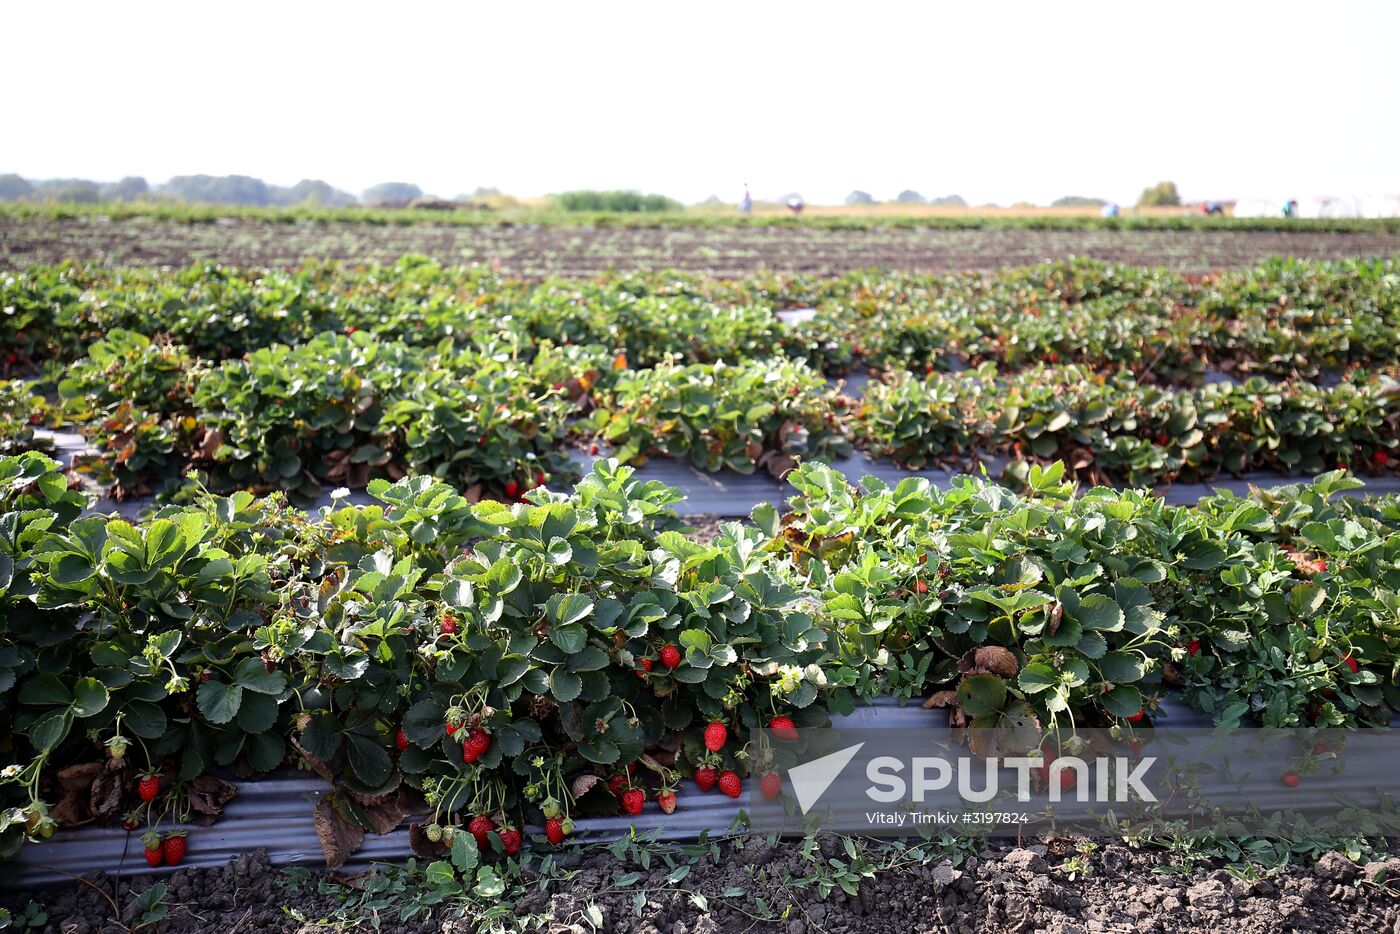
537, 245
507, 637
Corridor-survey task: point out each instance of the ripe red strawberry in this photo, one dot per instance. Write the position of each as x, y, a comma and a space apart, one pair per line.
448, 626
1067, 776
1351, 664
1137, 717
667, 799
480, 828
670, 656
633, 800
783, 728
1054, 357
1291, 779
617, 784
477, 745
1381, 458
593, 449
155, 855
539, 478
1193, 647
1321, 565
921, 586
401, 740
512, 489
511, 840
148, 786
729, 783
705, 777
771, 784
554, 830
716, 735
452, 728
174, 848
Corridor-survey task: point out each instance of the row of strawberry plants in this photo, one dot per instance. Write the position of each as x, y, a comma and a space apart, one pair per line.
338, 410
501, 665
334, 410
1120, 429
1279, 610
1282, 318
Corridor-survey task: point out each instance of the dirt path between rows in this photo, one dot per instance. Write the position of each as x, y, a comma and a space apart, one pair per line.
1113, 890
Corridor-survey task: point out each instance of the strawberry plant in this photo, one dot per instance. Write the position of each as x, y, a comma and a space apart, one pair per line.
131, 395
297, 417
483, 431
754, 415
20, 411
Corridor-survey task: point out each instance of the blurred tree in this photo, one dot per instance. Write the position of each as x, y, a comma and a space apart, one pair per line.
13, 188
128, 189
859, 197
391, 192
71, 190
949, 201
1077, 201
218, 189
909, 196
313, 191
1162, 193
623, 201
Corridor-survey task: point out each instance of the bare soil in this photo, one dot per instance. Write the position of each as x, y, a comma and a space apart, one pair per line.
537, 251
1009, 889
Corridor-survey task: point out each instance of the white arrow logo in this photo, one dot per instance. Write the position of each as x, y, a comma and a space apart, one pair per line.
810, 780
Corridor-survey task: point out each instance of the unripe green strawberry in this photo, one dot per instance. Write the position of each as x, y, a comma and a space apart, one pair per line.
116, 747
433, 832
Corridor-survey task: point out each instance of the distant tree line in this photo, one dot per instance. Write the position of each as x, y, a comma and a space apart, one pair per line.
907, 196
625, 201
208, 189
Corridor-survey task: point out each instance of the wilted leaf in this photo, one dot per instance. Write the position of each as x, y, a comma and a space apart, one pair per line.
339, 837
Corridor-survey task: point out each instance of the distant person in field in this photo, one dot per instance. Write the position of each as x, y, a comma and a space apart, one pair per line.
1109, 210
1211, 207
1290, 208
795, 205
746, 206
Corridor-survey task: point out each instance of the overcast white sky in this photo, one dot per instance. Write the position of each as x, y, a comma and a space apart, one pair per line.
998, 102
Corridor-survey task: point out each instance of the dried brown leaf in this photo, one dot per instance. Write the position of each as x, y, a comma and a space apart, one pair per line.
339, 837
